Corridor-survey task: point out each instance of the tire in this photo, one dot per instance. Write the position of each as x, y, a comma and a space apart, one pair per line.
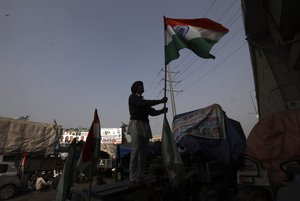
7, 191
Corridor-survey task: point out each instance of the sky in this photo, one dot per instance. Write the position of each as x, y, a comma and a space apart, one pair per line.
62, 59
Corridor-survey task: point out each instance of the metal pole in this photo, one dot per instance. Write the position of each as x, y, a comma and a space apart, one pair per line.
91, 180
165, 81
171, 92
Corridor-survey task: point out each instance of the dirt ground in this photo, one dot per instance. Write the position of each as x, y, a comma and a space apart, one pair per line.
44, 196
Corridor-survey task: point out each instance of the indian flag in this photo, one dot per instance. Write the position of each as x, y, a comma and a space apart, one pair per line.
91, 148
198, 35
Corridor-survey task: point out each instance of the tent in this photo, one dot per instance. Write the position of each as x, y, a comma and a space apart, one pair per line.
208, 133
274, 140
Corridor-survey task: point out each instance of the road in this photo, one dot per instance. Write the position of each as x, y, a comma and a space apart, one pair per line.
44, 196
36, 196
134, 193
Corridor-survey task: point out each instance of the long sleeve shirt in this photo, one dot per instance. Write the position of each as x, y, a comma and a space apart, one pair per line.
140, 109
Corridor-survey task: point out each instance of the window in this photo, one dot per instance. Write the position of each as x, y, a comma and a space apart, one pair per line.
3, 168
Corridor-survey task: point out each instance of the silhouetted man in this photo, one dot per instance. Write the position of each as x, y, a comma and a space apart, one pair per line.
139, 129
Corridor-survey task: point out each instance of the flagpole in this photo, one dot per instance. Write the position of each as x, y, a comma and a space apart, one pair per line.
91, 180
166, 68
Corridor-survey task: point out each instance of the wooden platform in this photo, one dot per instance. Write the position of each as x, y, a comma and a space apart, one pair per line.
117, 191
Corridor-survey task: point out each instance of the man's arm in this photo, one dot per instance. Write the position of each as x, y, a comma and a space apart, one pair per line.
154, 112
140, 102
43, 181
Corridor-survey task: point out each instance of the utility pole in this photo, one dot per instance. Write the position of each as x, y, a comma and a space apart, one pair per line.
171, 90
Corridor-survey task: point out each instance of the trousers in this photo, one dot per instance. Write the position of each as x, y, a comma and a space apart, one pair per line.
140, 132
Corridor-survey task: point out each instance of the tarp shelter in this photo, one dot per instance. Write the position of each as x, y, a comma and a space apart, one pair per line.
111, 149
209, 133
274, 140
18, 136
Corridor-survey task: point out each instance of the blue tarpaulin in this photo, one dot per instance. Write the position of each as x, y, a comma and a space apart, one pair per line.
124, 151
226, 149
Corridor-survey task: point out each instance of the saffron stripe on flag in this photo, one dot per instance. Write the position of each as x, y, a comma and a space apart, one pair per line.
91, 148
198, 35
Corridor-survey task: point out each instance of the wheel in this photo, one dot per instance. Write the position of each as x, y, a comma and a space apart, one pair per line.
7, 191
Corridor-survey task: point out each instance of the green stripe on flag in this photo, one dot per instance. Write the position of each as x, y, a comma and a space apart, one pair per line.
200, 46
172, 49
65, 180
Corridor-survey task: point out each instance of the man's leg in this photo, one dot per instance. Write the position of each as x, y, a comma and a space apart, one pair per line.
142, 159
133, 166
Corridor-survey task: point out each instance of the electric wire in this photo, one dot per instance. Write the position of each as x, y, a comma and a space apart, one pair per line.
193, 72
211, 5
181, 61
188, 66
184, 58
193, 60
215, 67
232, 17
152, 83
229, 7
185, 77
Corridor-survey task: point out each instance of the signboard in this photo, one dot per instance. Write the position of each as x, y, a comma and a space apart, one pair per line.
108, 136
111, 135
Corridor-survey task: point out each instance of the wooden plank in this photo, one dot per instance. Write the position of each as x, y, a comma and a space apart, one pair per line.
118, 188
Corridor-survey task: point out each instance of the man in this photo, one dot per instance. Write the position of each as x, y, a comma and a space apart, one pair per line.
41, 184
139, 129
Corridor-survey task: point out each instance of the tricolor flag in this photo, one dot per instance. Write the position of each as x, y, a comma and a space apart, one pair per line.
23, 162
65, 180
198, 35
171, 157
91, 149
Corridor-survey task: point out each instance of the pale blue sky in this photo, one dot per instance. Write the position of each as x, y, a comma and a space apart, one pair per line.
63, 58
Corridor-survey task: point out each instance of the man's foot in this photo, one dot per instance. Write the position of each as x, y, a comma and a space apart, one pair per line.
140, 180
133, 183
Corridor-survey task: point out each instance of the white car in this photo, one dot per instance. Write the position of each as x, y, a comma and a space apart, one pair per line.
9, 180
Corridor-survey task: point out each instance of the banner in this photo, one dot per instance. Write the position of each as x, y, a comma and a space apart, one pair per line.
205, 123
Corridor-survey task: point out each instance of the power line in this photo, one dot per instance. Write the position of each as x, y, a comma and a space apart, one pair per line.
187, 66
185, 57
229, 7
224, 44
232, 37
182, 60
238, 13
190, 74
211, 5
215, 68
148, 89
196, 58
238, 17
193, 60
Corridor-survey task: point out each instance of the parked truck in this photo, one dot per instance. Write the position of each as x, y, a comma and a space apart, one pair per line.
33, 146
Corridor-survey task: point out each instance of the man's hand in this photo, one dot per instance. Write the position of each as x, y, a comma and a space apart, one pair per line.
164, 99
164, 110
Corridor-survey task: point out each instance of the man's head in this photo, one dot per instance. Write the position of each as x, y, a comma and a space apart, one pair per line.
137, 87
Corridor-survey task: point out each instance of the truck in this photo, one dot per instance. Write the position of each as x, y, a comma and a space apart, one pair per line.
33, 146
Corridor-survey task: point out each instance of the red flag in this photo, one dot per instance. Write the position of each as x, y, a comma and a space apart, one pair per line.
91, 147
23, 162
